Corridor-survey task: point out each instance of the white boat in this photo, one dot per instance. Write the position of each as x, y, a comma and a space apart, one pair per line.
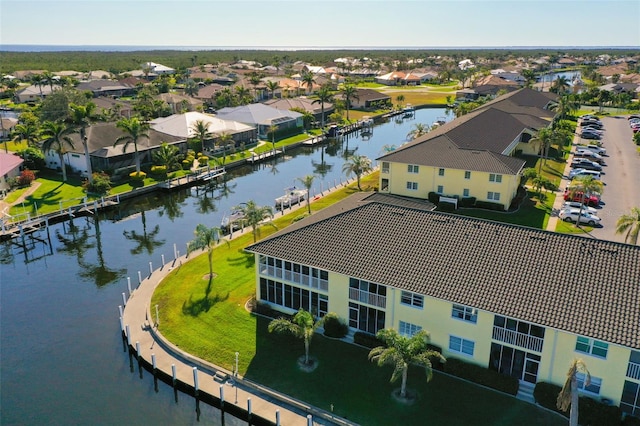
233, 221
439, 122
408, 111
292, 195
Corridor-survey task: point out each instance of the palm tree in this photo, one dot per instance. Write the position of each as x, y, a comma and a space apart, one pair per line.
223, 140
253, 215
81, 118
307, 182
272, 86
543, 137
206, 238
358, 165
529, 77
49, 78
273, 129
303, 325
38, 80
134, 130
27, 132
400, 351
419, 129
56, 137
191, 88
201, 130
307, 80
583, 186
568, 396
629, 223
167, 155
324, 95
560, 85
349, 92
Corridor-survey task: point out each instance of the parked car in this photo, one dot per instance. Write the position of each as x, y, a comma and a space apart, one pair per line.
583, 163
594, 123
632, 116
590, 135
589, 155
593, 129
592, 199
574, 215
588, 117
574, 173
578, 205
594, 148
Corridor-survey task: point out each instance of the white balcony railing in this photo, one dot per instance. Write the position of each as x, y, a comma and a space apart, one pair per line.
517, 339
368, 298
633, 370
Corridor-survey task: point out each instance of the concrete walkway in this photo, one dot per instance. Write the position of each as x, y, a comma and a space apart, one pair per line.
557, 204
138, 322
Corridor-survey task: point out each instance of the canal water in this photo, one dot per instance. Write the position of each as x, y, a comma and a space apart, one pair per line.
62, 357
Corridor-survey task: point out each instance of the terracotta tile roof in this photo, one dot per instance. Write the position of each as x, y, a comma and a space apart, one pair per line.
582, 286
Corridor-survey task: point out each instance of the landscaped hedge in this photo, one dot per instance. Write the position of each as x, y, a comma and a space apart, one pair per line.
334, 326
590, 411
489, 205
446, 207
467, 202
433, 197
481, 375
367, 340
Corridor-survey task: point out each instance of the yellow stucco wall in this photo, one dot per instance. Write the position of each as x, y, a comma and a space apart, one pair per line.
453, 182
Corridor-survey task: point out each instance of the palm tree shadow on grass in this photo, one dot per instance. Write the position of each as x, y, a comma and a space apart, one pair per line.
242, 259
195, 307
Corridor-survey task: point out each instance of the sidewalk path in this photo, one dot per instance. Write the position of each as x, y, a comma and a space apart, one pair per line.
4, 206
564, 183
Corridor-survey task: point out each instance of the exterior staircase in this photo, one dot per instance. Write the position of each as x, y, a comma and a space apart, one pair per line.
525, 392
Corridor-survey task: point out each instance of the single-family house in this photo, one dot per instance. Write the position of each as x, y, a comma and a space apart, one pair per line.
368, 98
6, 126
182, 126
101, 138
157, 69
397, 78
180, 103
476, 285
306, 104
33, 93
9, 168
263, 117
106, 88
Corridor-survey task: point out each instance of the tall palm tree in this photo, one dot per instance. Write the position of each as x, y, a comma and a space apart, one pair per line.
529, 76
307, 80
253, 215
401, 351
81, 117
56, 138
222, 141
629, 224
244, 95
349, 92
205, 238
560, 85
419, 129
273, 129
134, 131
38, 80
358, 165
583, 186
544, 138
201, 130
50, 79
324, 95
272, 86
568, 396
303, 325
307, 182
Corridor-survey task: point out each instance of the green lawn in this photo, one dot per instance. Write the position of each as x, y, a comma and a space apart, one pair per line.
208, 319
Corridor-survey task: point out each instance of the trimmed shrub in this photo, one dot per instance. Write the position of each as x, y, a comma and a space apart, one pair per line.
489, 205
546, 394
446, 207
433, 197
334, 326
481, 375
26, 177
594, 413
137, 175
299, 217
203, 160
187, 163
367, 340
101, 184
467, 202
159, 170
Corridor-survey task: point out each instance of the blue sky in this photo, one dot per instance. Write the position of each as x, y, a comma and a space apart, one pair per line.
320, 23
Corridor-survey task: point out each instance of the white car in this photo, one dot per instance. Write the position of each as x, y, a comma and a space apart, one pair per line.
573, 215
592, 148
574, 173
568, 205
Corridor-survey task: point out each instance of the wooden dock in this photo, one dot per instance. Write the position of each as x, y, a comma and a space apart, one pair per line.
204, 174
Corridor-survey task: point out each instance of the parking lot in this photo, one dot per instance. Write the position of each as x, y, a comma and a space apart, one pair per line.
621, 176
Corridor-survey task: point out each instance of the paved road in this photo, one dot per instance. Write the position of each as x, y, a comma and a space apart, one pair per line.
621, 177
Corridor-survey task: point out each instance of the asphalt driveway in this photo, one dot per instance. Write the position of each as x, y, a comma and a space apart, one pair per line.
621, 177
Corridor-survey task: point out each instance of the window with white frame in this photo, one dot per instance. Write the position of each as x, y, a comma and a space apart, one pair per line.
495, 196
440, 172
592, 347
460, 345
412, 299
467, 174
412, 186
593, 386
412, 168
385, 167
384, 185
465, 192
495, 178
440, 189
465, 313
408, 329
